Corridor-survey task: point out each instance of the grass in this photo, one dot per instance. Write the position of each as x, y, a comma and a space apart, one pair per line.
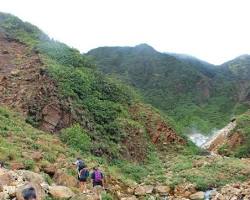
103, 104
171, 170
19, 138
214, 172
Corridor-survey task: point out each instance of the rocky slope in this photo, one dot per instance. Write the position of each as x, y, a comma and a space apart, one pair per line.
57, 90
24, 85
54, 87
220, 138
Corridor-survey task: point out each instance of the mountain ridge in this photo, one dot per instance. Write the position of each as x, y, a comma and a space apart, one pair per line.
85, 113
170, 76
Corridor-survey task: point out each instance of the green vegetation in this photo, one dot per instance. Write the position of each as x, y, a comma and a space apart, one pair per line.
100, 105
240, 133
18, 141
194, 93
75, 137
110, 118
243, 126
206, 173
152, 167
22, 31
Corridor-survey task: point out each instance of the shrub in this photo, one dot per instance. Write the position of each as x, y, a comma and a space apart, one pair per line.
29, 164
76, 137
106, 196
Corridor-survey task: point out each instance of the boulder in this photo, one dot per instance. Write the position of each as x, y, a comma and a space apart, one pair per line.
130, 190
50, 170
184, 190
197, 196
2, 78
129, 198
15, 72
61, 192
245, 171
143, 190
61, 178
3, 171
37, 156
45, 187
246, 197
84, 197
39, 191
52, 114
5, 52
199, 163
1, 88
17, 166
10, 191
5, 179
31, 176
3, 196
163, 190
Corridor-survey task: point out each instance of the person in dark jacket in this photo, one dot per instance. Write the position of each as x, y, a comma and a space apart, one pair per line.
83, 178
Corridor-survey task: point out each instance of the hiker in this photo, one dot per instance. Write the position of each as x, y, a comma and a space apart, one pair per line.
2, 168
97, 177
79, 164
83, 177
29, 194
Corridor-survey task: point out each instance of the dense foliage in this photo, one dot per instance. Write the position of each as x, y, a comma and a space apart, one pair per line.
104, 121
99, 104
194, 93
76, 138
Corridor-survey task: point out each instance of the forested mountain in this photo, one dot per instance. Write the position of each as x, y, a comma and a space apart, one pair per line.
55, 87
194, 93
56, 106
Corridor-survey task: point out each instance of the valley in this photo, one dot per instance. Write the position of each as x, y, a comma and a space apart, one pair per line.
128, 110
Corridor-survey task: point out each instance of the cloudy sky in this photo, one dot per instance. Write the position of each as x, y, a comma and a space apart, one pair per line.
213, 30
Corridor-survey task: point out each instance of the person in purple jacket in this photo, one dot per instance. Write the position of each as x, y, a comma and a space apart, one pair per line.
97, 177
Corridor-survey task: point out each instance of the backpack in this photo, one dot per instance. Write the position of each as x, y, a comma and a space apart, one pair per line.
84, 174
81, 164
97, 176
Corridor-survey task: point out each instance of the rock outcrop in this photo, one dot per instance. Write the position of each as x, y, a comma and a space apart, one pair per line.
13, 183
239, 191
219, 138
197, 196
60, 192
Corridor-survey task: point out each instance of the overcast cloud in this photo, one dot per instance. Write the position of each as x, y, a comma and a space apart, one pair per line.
213, 30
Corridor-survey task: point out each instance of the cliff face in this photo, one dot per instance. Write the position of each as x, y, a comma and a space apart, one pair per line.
26, 87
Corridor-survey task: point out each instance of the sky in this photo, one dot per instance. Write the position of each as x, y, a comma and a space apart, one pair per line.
213, 30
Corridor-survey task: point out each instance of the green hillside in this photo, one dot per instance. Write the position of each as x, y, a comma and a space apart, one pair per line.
194, 93
67, 90
55, 106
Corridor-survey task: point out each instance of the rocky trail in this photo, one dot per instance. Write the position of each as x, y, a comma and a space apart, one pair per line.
13, 182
